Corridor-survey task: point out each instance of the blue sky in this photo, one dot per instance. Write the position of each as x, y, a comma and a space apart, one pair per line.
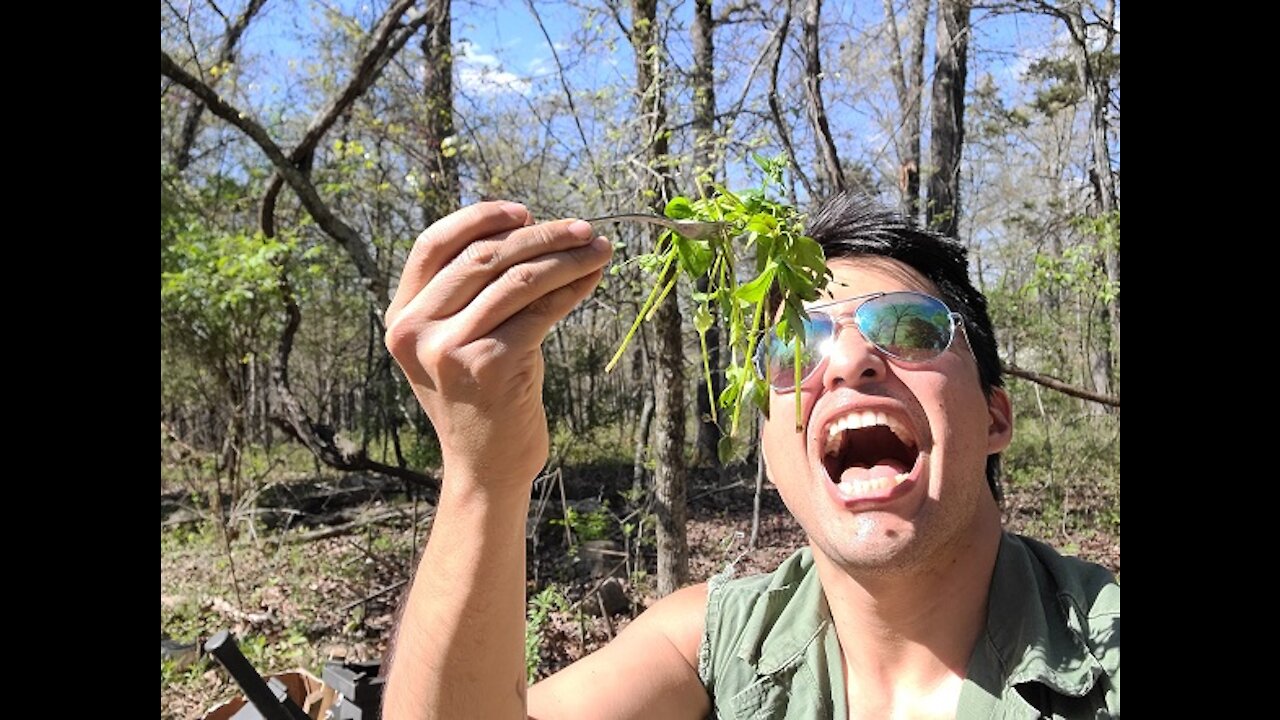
500, 44
502, 54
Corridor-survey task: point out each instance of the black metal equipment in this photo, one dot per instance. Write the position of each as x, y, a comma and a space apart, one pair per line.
272, 701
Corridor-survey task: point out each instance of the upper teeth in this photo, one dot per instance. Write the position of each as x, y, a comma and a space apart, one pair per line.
866, 418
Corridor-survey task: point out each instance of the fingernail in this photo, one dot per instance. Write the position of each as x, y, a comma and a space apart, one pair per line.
581, 229
515, 210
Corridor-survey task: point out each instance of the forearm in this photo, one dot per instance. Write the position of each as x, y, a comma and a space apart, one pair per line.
479, 292
460, 644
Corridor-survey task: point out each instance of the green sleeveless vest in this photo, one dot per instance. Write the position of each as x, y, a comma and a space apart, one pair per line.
1051, 647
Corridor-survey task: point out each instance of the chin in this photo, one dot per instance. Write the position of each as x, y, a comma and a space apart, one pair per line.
868, 546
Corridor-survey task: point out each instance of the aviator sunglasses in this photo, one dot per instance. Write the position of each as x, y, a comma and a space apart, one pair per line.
908, 326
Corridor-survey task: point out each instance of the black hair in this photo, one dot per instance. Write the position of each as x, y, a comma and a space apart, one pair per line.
851, 224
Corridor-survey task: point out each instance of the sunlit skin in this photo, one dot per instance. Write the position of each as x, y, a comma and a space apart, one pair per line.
947, 502
905, 571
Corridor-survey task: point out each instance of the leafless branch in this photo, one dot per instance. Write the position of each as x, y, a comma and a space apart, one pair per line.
182, 156
568, 94
1062, 387
386, 43
784, 132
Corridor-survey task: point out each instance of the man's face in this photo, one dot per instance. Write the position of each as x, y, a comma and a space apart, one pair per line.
889, 468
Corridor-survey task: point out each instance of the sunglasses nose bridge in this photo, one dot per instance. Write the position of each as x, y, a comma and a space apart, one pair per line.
842, 357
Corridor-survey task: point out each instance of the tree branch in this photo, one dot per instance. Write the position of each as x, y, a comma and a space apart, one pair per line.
344, 234
784, 133
368, 69
568, 94
1055, 384
320, 439
227, 54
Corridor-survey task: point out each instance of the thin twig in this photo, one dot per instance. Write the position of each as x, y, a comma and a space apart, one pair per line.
344, 528
568, 94
375, 595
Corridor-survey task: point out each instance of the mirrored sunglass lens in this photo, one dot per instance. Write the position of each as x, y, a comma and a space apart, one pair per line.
908, 326
779, 358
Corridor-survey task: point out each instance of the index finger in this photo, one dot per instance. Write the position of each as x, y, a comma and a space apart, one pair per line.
446, 237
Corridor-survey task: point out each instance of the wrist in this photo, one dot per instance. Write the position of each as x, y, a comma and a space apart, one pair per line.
478, 486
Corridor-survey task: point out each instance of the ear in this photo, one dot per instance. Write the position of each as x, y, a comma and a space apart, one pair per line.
1000, 431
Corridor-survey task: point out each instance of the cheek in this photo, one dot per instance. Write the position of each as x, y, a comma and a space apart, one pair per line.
779, 430
784, 447
959, 417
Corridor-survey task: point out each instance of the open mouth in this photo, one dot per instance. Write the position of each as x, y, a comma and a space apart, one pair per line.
869, 453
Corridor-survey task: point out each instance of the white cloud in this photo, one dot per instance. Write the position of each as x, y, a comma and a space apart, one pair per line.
481, 73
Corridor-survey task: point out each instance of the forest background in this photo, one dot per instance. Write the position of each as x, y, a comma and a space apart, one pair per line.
305, 145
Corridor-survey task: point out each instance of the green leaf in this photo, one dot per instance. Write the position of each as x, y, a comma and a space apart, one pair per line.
762, 223
753, 291
808, 253
727, 449
702, 319
678, 208
695, 255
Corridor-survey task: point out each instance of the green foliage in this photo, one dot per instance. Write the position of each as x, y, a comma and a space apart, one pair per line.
1069, 461
171, 674
1060, 82
220, 293
290, 650
789, 269
588, 526
421, 450
1080, 268
551, 599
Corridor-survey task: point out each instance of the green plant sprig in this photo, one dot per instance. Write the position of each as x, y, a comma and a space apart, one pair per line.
789, 268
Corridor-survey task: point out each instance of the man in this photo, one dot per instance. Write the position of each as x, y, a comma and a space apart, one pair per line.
910, 600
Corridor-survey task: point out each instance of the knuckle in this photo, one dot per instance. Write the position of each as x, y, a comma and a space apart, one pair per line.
543, 237
483, 254
400, 338
426, 245
520, 276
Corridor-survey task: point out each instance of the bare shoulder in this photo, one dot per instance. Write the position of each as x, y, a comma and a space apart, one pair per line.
679, 617
649, 670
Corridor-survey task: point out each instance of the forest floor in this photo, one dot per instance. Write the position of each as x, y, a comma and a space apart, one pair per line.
295, 598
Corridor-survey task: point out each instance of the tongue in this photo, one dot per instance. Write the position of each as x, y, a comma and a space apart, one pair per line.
885, 468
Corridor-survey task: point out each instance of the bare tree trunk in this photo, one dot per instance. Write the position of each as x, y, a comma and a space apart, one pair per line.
641, 442
705, 159
947, 135
1096, 90
775, 109
755, 503
442, 189
908, 78
669, 480
832, 177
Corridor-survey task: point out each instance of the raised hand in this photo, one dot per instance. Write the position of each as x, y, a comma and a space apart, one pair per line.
479, 292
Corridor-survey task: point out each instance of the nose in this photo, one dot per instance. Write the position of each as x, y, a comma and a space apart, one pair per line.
851, 360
